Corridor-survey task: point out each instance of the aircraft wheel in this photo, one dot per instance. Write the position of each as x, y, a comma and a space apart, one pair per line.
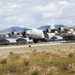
35, 41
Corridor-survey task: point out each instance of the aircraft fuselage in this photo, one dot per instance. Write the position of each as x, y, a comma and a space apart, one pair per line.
36, 35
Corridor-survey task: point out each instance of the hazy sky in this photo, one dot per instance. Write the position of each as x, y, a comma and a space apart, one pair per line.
35, 13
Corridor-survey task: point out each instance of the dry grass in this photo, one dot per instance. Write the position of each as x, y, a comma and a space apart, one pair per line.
44, 60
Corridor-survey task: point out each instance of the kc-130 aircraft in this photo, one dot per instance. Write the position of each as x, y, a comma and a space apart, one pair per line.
40, 35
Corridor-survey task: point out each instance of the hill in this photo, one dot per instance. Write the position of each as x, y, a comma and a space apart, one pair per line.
13, 29
48, 26
19, 29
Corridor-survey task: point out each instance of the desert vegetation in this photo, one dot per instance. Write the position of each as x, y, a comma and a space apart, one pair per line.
59, 60
54, 62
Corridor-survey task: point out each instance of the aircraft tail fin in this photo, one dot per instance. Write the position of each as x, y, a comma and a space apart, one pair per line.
52, 24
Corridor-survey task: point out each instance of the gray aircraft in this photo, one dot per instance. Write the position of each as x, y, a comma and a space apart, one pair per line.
40, 35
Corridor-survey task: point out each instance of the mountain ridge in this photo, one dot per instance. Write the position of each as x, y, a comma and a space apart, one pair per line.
49, 26
13, 29
20, 29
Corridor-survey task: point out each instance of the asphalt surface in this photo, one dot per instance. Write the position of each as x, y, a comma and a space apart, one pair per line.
21, 46
4, 50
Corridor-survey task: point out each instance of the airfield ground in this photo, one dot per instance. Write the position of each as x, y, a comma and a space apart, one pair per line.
39, 59
4, 50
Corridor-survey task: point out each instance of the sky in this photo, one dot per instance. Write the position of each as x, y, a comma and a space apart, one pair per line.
35, 13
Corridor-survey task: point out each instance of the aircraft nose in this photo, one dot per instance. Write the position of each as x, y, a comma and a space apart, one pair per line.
27, 32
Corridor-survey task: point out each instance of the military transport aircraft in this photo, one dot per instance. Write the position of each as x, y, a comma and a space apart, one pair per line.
40, 35
46, 35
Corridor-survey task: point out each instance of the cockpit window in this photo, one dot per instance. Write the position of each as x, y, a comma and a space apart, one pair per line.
30, 29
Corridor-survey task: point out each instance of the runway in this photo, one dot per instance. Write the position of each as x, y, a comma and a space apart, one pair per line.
22, 46
18, 49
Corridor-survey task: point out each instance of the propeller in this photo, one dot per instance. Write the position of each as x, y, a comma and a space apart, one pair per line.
24, 33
